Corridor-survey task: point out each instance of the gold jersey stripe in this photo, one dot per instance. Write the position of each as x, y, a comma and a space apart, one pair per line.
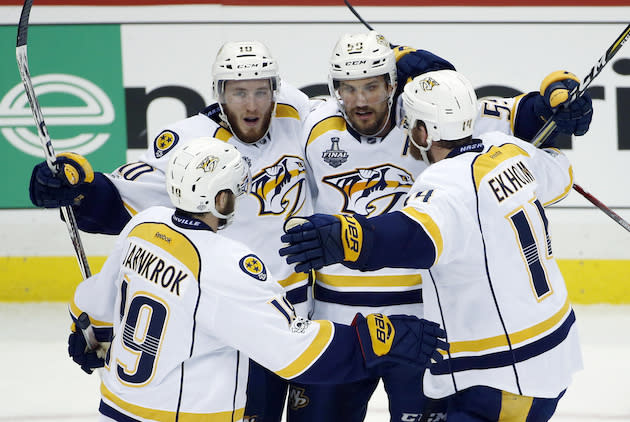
326, 125
566, 189
514, 408
402, 51
488, 161
164, 415
293, 279
312, 352
222, 134
76, 311
286, 110
517, 337
130, 209
406, 280
170, 241
430, 226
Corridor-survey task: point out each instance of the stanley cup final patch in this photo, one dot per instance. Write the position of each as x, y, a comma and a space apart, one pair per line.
253, 267
335, 156
164, 142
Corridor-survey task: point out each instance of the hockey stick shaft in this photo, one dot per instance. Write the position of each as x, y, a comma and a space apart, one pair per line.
549, 127
623, 223
83, 322
49, 152
544, 133
355, 13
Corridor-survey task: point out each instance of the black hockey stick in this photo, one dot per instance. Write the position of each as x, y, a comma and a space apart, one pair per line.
610, 213
579, 90
49, 152
547, 129
355, 13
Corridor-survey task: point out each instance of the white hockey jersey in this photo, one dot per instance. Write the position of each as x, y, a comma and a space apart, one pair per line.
187, 305
370, 176
367, 176
279, 189
495, 286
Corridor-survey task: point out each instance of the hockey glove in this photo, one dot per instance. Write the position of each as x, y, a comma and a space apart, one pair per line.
50, 190
571, 119
88, 360
401, 339
321, 240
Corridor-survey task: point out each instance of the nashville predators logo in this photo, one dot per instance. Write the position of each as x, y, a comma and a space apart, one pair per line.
164, 142
280, 187
371, 191
208, 164
297, 399
427, 84
253, 267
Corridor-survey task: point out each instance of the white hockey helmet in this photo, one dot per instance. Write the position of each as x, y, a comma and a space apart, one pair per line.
201, 169
360, 56
243, 60
445, 101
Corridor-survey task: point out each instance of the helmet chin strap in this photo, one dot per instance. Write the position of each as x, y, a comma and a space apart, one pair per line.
423, 150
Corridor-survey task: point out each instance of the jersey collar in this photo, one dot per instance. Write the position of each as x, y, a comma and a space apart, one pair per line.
475, 145
186, 221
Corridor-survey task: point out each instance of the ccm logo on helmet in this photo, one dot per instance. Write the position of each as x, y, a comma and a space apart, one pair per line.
355, 62
247, 66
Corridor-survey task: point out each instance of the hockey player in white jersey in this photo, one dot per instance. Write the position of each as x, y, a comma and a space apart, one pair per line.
188, 306
360, 163
260, 115
357, 165
476, 219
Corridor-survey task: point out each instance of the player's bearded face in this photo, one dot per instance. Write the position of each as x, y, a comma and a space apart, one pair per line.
366, 103
248, 105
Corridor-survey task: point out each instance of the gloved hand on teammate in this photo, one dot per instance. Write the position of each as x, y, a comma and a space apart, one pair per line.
571, 119
321, 240
399, 339
88, 360
50, 190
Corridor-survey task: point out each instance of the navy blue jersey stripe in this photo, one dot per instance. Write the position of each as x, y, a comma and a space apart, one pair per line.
110, 412
368, 298
298, 295
507, 357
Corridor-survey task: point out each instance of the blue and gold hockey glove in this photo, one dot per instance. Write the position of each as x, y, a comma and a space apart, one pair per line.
321, 240
88, 360
50, 190
402, 339
571, 119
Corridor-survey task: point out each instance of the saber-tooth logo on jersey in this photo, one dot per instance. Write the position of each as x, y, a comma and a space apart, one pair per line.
84, 105
371, 191
335, 156
280, 187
